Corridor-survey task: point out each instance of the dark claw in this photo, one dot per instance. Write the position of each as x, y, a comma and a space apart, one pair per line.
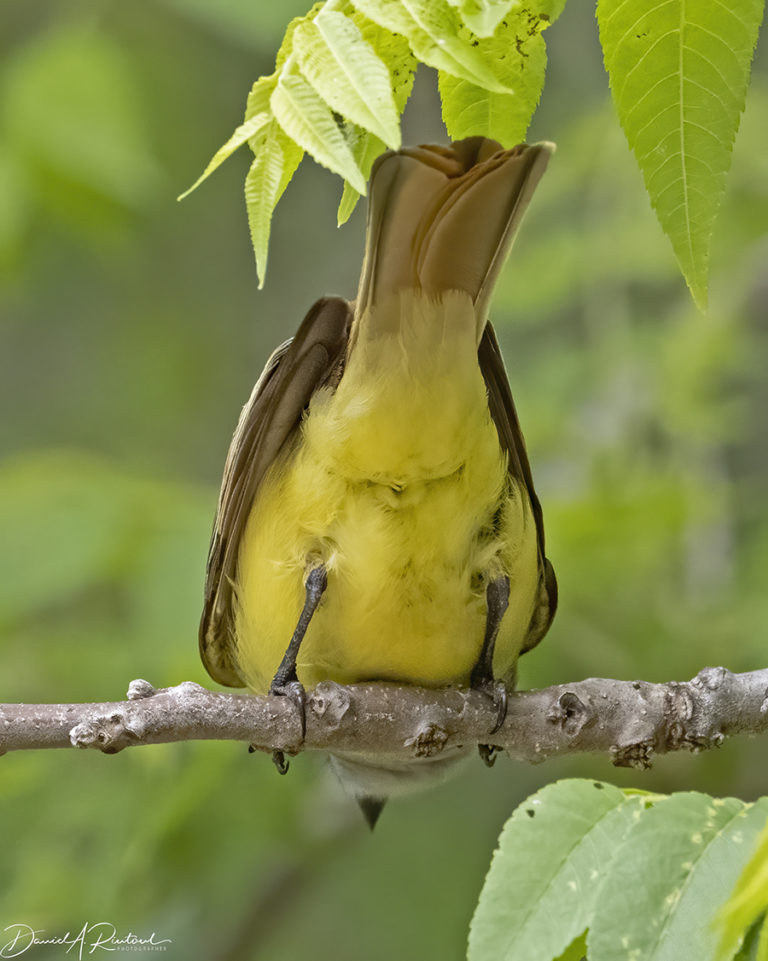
280, 762
294, 691
497, 691
481, 678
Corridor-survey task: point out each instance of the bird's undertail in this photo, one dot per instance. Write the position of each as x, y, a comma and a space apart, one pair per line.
372, 780
444, 218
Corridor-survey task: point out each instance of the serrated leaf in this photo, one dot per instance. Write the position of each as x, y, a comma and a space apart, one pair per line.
259, 96
258, 116
673, 870
365, 147
274, 164
307, 120
518, 51
747, 903
432, 29
348, 74
393, 50
286, 47
679, 73
483, 16
540, 892
251, 128
258, 104
292, 155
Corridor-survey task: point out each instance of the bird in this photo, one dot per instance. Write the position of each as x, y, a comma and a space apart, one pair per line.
377, 519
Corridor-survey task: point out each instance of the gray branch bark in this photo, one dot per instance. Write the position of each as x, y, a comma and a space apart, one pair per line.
629, 720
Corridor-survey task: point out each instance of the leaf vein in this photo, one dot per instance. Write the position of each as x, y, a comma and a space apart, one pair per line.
689, 875
643, 15
647, 54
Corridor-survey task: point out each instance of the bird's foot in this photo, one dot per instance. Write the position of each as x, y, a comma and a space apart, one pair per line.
293, 689
497, 692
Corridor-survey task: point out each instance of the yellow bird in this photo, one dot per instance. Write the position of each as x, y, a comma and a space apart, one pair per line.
377, 519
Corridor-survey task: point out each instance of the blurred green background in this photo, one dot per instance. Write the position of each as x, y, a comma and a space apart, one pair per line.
131, 333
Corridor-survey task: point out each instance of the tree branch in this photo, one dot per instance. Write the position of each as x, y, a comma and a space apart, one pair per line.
629, 720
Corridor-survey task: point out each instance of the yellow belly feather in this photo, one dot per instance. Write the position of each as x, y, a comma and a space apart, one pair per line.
394, 482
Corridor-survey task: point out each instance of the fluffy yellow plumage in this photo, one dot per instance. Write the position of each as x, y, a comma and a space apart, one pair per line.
392, 484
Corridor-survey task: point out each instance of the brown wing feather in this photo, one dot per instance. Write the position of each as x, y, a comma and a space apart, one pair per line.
504, 416
293, 373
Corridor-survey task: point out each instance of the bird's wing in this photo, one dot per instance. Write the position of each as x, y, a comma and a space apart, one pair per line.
293, 373
504, 416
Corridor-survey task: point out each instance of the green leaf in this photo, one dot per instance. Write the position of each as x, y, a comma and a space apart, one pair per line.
519, 55
351, 65
483, 16
641, 874
679, 73
275, 163
679, 862
432, 29
258, 116
250, 129
307, 120
366, 147
348, 74
259, 96
286, 47
576, 951
394, 51
749, 948
747, 903
541, 889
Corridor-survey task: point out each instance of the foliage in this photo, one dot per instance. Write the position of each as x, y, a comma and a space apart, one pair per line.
747, 905
639, 873
678, 72
344, 73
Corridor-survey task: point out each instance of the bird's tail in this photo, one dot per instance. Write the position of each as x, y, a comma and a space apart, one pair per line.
444, 218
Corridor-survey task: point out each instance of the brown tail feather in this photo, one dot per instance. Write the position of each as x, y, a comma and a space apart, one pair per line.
444, 218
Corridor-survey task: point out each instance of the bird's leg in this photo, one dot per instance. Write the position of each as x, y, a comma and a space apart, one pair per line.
286, 681
481, 678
